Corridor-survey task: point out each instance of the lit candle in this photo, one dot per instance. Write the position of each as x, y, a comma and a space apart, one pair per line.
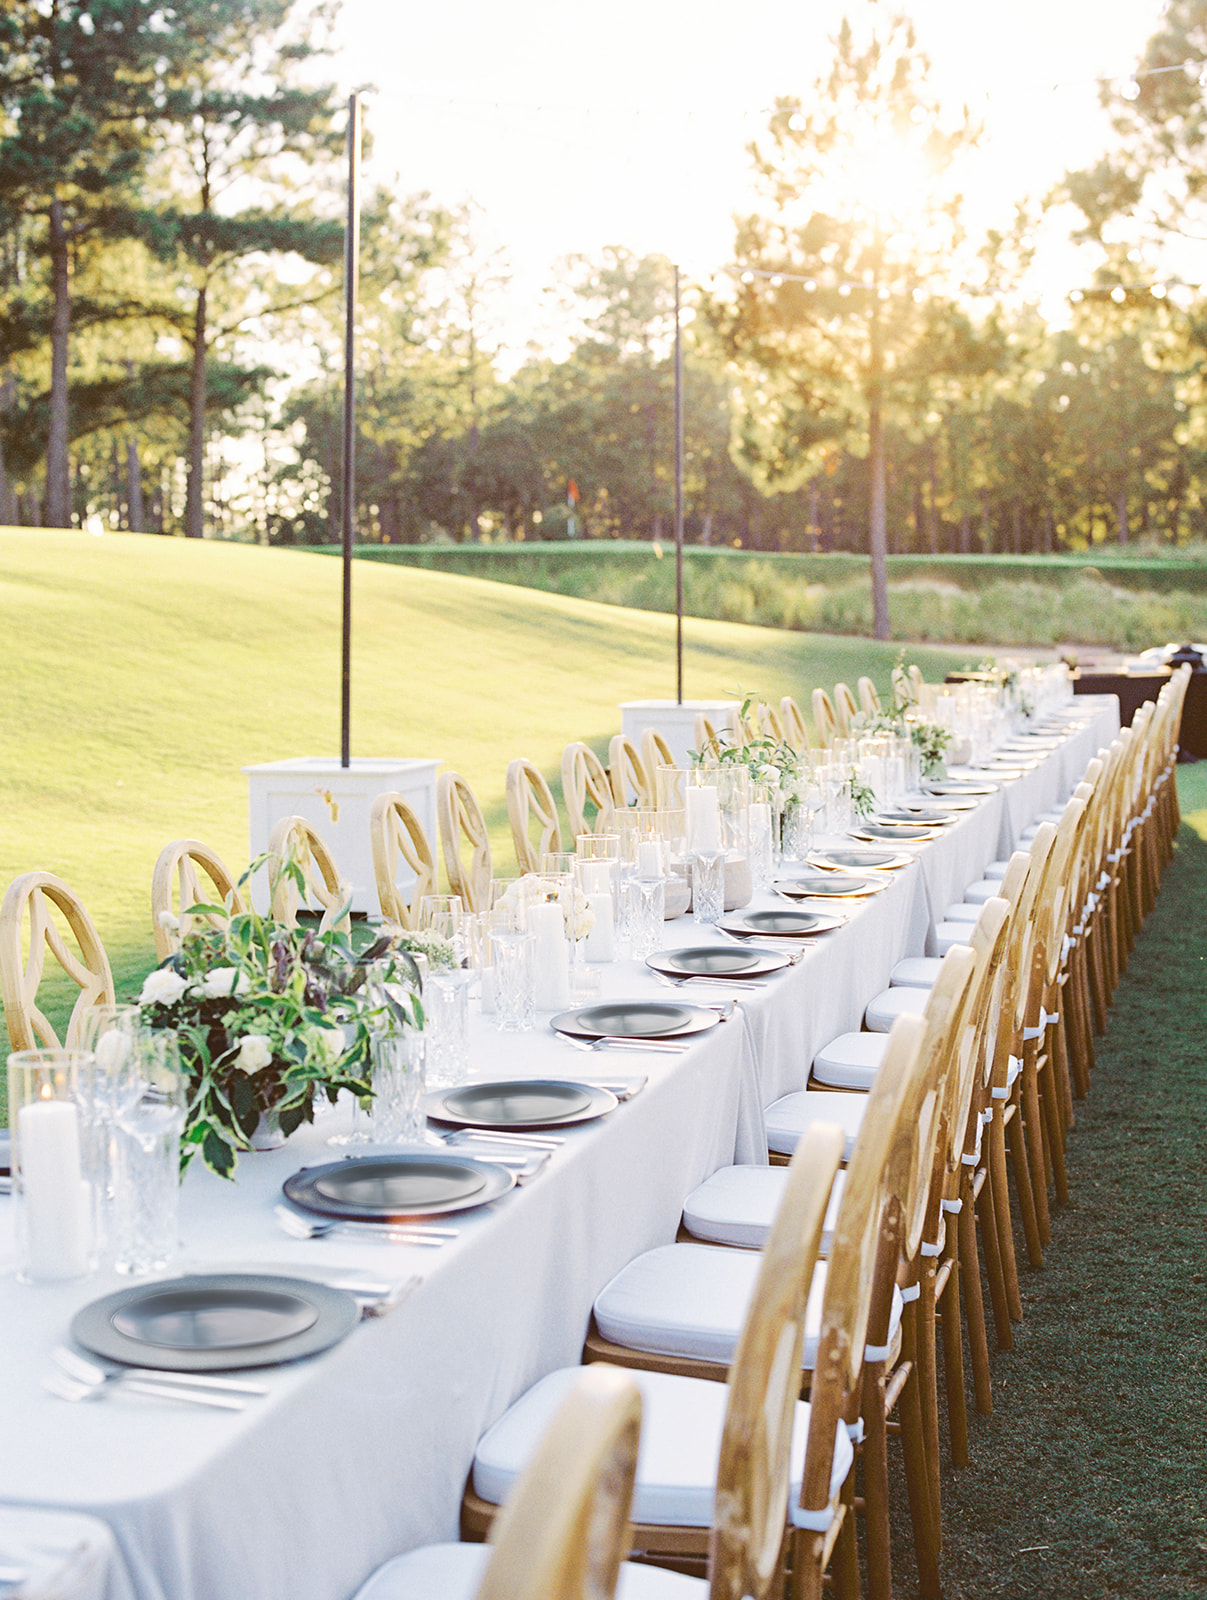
55, 1197
649, 859
601, 941
703, 817
551, 955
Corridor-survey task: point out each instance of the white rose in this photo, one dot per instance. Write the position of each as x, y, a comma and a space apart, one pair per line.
328, 1044
170, 922
220, 982
163, 987
255, 1052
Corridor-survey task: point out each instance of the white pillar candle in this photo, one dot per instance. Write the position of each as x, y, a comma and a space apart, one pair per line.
551, 956
703, 817
595, 877
601, 941
55, 1197
649, 859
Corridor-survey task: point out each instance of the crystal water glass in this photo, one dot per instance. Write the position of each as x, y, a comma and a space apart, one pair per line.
148, 1126
645, 901
513, 952
708, 885
398, 1115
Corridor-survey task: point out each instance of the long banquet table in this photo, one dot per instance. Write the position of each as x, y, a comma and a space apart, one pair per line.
362, 1452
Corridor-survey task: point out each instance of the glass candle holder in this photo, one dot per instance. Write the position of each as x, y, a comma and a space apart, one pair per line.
49, 1106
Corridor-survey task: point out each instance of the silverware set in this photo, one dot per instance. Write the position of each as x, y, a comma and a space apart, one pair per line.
75, 1378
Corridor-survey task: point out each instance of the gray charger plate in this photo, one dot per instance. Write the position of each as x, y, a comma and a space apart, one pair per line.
715, 961
520, 1103
781, 924
215, 1323
829, 886
400, 1187
635, 1019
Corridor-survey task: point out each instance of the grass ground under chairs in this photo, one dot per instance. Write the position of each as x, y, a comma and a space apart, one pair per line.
1088, 1480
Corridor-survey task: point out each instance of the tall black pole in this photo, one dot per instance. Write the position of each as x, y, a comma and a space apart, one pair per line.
678, 497
348, 475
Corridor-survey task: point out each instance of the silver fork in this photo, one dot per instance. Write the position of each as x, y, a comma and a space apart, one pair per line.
664, 1048
67, 1388
394, 1233
85, 1371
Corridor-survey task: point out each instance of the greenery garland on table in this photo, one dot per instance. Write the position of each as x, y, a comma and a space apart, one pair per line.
270, 1017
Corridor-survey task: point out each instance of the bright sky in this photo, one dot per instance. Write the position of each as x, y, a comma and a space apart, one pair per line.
574, 124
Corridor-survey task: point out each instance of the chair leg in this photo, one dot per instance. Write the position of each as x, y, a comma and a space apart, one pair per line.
874, 1454
1037, 1159
995, 1269
924, 1516
928, 1390
974, 1306
953, 1355
1054, 1133
999, 1181
1021, 1164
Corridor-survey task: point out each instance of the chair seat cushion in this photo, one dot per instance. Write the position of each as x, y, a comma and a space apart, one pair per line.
996, 869
984, 889
962, 911
790, 1118
455, 1571
736, 1206
949, 933
681, 1425
851, 1061
915, 972
890, 1004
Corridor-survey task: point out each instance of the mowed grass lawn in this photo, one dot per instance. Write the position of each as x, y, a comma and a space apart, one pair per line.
140, 675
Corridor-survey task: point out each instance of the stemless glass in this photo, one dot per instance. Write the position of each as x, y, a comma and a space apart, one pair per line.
110, 1033
147, 1158
398, 1115
513, 950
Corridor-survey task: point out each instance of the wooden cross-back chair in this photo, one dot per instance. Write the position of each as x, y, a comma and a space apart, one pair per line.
396, 834
529, 797
732, 1507
846, 709
296, 839
194, 875
585, 783
869, 697
565, 1528
792, 720
626, 770
29, 927
461, 821
825, 719
711, 739
655, 753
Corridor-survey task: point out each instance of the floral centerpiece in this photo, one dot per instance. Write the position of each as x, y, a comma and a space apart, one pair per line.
269, 1018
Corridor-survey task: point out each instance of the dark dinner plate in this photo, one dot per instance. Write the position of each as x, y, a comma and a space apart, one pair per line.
635, 1019
215, 1322
393, 1188
781, 924
519, 1103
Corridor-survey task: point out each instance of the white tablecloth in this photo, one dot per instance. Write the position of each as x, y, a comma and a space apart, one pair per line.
363, 1451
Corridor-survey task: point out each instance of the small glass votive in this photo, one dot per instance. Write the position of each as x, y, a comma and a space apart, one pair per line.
146, 1172
708, 885
397, 1113
49, 1104
514, 962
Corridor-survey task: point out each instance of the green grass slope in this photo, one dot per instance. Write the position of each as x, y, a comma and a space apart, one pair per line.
139, 675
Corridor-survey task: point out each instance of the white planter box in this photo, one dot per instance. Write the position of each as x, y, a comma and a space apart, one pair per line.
676, 722
277, 789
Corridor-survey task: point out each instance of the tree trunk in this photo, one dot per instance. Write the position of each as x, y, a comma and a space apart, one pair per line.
58, 475
877, 519
195, 492
134, 495
1121, 513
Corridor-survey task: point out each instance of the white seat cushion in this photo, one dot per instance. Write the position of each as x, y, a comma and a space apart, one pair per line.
681, 1424
851, 1061
977, 893
916, 972
890, 1004
961, 911
789, 1119
737, 1204
996, 869
454, 1572
949, 933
